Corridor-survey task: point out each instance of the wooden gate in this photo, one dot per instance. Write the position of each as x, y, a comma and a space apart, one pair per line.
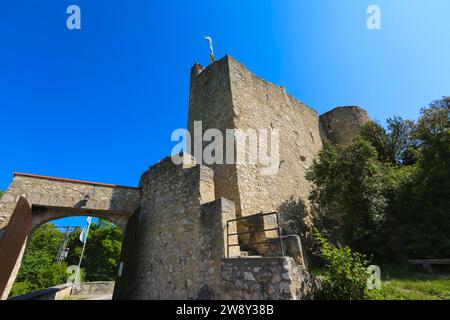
12, 241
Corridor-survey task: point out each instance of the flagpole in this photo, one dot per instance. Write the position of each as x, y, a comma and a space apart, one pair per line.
81, 257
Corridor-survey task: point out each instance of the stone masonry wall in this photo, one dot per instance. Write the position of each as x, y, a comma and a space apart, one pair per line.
210, 101
226, 95
265, 279
181, 230
97, 287
260, 104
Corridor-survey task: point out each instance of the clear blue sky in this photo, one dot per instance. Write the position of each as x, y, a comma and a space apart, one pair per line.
101, 103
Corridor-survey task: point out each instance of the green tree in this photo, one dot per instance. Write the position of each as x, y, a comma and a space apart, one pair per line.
388, 192
396, 144
351, 184
421, 208
38, 270
102, 251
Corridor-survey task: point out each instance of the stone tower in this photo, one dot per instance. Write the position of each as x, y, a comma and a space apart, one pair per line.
227, 95
342, 124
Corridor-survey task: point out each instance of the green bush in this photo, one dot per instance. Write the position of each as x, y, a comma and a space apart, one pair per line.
20, 288
345, 276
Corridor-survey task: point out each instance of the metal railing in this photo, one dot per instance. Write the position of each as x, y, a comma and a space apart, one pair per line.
267, 241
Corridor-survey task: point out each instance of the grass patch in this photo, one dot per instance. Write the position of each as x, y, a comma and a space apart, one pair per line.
401, 283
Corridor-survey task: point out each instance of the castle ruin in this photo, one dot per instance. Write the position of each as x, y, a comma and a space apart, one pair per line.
194, 231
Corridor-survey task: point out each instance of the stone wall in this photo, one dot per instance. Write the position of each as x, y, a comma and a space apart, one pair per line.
278, 278
94, 288
182, 245
181, 234
210, 101
260, 104
292, 247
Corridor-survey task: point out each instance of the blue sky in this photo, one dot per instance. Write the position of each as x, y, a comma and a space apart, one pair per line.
101, 103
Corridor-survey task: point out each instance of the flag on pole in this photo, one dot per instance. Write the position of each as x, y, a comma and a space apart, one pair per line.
83, 235
85, 231
211, 48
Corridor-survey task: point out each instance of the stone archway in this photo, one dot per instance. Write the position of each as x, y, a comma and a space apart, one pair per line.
52, 198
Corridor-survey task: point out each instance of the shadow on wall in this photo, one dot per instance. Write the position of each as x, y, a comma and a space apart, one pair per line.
294, 217
296, 223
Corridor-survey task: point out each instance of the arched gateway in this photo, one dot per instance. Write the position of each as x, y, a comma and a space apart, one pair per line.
33, 200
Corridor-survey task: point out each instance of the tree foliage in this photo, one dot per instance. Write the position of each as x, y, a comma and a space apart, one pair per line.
39, 271
421, 209
102, 251
351, 183
389, 191
395, 145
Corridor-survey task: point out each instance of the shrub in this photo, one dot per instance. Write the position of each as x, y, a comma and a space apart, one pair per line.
345, 276
20, 288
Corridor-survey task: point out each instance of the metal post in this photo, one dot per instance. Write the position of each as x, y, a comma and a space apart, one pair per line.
228, 242
77, 276
279, 235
